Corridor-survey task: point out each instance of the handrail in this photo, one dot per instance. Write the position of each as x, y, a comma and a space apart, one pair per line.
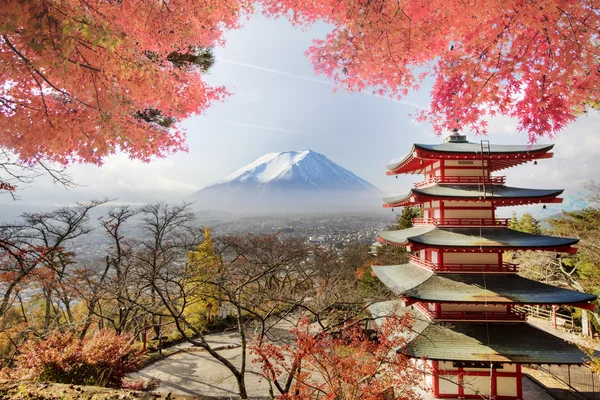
481, 315
461, 221
471, 315
459, 268
469, 180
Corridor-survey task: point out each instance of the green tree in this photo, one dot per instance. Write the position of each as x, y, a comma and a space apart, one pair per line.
527, 223
203, 264
404, 220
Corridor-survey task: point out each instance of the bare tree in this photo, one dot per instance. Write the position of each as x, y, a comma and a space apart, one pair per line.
14, 173
51, 232
269, 283
169, 231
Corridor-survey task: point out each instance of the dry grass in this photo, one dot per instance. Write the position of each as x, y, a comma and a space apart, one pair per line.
11, 390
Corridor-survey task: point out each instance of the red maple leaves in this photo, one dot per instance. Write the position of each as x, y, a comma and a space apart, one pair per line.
536, 61
82, 80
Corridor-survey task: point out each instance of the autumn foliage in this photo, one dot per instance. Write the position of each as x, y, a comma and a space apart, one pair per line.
84, 79
348, 365
101, 359
536, 61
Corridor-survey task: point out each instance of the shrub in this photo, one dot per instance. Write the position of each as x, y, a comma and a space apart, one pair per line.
142, 385
102, 359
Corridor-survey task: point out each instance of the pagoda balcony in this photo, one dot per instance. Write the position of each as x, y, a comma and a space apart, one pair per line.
463, 268
462, 180
471, 315
502, 222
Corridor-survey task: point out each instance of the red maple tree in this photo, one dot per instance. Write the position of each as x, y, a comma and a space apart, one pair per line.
347, 365
536, 61
83, 79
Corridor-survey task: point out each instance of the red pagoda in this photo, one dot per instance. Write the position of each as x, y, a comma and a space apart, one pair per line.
464, 297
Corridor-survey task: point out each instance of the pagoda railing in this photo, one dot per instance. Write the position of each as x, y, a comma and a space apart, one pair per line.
461, 221
460, 180
481, 315
463, 268
471, 315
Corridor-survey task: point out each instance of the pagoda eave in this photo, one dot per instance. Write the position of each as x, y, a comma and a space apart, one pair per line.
503, 342
500, 196
422, 156
475, 239
416, 283
419, 199
408, 301
413, 246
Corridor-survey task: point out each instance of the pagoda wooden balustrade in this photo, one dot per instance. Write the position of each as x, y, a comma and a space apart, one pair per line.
472, 315
461, 221
460, 268
459, 180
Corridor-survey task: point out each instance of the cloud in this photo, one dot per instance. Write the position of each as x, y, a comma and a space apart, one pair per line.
274, 71
313, 80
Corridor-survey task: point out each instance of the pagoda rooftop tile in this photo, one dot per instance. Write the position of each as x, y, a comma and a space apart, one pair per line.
415, 282
477, 238
473, 192
504, 342
504, 155
475, 148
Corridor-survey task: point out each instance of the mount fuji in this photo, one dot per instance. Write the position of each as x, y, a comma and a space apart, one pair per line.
291, 181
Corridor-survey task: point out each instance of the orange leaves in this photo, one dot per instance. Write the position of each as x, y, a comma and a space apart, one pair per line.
75, 74
348, 364
535, 61
102, 359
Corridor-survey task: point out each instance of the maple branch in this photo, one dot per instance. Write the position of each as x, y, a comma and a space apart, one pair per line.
33, 69
577, 19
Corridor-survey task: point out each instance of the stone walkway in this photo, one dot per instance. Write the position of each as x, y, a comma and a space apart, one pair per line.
195, 372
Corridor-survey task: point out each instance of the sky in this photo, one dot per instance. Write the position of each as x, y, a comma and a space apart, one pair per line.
278, 103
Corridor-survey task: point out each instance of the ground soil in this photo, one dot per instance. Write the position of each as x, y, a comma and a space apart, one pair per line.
11, 390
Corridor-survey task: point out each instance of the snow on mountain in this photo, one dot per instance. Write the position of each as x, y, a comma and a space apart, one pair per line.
292, 179
301, 169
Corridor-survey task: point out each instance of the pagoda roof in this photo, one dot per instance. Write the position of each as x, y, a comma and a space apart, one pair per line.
414, 282
502, 156
475, 238
475, 148
502, 195
505, 342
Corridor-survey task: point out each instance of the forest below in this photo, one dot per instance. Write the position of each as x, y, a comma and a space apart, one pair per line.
92, 322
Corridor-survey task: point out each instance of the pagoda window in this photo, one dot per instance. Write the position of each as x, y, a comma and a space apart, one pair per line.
464, 172
461, 163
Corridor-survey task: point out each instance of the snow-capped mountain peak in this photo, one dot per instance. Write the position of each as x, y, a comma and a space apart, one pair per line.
304, 168
266, 168
288, 179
